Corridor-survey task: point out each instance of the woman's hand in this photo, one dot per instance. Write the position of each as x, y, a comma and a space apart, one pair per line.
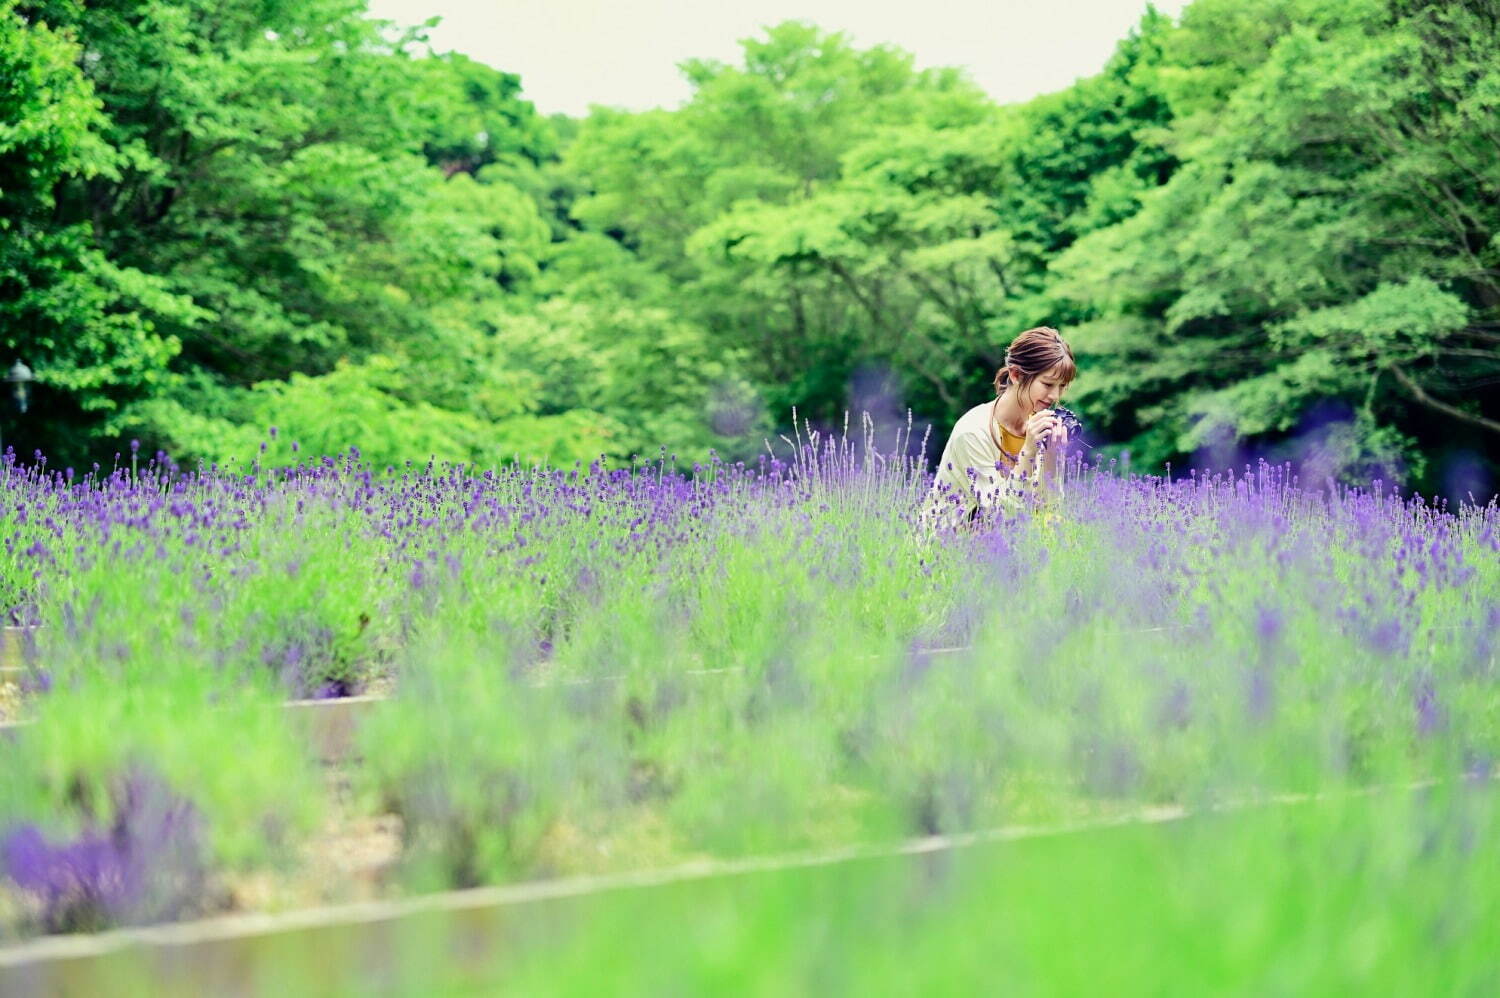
1046, 438
1046, 426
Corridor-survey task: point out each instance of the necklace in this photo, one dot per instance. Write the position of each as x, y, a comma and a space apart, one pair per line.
994, 422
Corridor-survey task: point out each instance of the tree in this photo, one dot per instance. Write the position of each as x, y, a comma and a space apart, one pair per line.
927, 249
88, 326
760, 144
1332, 236
270, 172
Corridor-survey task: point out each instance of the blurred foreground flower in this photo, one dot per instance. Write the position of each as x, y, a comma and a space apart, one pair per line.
145, 866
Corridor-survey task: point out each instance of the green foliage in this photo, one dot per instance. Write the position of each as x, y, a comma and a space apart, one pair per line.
475, 116
923, 250
87, 325
222, 219
1328, 238
653, 379
228, 746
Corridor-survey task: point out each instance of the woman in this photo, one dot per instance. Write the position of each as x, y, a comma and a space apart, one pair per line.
1009, 448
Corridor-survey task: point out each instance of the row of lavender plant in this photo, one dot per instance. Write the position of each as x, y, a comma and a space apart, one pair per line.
601, 668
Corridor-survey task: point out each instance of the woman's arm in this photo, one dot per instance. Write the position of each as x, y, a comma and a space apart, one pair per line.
989, 486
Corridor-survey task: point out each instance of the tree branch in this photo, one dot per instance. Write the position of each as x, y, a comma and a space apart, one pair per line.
1443, 407
999, 273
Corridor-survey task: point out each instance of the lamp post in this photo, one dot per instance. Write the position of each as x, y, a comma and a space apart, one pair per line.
19, 377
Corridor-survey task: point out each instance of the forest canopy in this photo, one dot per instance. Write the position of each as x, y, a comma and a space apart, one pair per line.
1270, 227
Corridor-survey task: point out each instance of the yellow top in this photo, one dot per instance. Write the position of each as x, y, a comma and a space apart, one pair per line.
1010, 444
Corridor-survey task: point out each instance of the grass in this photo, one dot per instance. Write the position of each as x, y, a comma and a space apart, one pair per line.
1386, 892
610, 670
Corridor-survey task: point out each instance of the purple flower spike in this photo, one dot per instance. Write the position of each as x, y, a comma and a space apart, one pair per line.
1268, 625
1431, 717
37, 681
146, 866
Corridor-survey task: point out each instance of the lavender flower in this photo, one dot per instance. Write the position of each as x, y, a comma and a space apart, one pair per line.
145, 866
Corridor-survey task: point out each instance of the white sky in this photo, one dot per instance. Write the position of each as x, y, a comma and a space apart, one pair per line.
573, 53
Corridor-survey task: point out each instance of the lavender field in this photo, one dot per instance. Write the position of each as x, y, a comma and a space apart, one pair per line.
623, 668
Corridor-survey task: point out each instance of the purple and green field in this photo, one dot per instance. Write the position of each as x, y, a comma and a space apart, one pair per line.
589, 672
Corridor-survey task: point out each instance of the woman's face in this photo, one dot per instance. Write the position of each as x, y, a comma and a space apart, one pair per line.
1042, 392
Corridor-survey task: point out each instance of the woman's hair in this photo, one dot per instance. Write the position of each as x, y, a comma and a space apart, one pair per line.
1035, 352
